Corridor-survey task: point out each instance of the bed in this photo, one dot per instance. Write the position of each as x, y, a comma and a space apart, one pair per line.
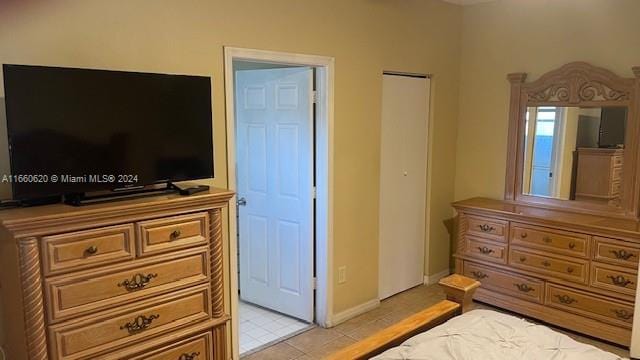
449, 330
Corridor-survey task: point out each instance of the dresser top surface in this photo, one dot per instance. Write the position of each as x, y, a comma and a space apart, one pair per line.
552, 216
59, 214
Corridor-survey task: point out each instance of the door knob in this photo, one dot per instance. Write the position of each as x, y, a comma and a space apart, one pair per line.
242, 201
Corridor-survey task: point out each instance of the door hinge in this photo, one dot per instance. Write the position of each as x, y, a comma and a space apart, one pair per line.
314, 192
315, 283
314, 97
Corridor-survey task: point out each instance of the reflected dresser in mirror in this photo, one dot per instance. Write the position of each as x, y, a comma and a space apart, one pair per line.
563, 245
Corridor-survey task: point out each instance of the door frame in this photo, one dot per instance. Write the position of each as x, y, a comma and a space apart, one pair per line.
325, 70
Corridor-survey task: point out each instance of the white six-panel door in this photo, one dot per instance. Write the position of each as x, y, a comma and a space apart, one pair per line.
403, 179
274, 140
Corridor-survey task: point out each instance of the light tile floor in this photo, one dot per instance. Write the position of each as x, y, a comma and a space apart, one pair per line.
260, 327
317, 343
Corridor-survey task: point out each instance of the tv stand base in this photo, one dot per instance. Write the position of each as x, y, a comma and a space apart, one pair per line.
85, 199
88, 199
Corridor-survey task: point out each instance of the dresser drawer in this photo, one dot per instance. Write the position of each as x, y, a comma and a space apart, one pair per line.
83, 249
616, 252
111, 286
510, 284
110, 330
616, 188
563, 268
561, 242
590, 305
614, 278
488, 228
617, 174
617, 161
171, 233
486, 250
199, 347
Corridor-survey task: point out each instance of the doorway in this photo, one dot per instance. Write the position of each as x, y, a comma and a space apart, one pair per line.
279, 150
275, 166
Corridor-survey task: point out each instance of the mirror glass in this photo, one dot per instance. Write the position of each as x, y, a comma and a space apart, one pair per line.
574, 153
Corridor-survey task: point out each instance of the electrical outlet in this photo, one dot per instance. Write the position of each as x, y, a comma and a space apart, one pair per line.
342, 274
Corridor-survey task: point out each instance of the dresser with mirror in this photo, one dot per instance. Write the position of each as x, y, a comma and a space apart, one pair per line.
563, 245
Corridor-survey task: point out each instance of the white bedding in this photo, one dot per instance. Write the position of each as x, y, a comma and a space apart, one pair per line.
490, 335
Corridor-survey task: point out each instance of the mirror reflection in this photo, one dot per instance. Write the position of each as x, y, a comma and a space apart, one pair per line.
574, 153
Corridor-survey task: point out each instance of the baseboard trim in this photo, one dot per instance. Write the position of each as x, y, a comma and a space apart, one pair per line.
433, 279
353, 312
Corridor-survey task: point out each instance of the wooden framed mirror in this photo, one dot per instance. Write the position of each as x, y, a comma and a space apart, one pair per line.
573, 140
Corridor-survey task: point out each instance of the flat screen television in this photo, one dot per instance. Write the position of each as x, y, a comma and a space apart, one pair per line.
73, 131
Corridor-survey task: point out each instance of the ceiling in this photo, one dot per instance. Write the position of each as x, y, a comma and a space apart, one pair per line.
468, 2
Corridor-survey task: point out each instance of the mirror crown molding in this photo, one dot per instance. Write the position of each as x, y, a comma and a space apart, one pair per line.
575, 84
579, 82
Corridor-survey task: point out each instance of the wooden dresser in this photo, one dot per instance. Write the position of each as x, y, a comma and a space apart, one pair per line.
136, 279
576, 271
599, 174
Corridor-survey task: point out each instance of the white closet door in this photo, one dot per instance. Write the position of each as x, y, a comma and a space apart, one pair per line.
403, 179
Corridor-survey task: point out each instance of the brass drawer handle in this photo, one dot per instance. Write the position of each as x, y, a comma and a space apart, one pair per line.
140, 323
187, 356
479, 275
524, 288
547, 239
523, 258
570, 270
622, 314
523, 235
91, 250
572, 245
485, 250
175, 234
486, 228
565, 299
138, 281
622, 254
619, 280
546, 263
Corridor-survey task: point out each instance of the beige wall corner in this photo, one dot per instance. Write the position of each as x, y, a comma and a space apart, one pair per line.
534, 37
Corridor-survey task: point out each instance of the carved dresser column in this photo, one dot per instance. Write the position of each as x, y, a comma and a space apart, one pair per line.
31, 281
217, 271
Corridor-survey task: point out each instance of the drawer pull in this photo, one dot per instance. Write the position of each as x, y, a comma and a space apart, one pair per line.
546, 263
523, 258
485, 250
572, 245
138, 281
187, 356
92, 250
175, 234
479, 275
547, 239
570, 270
140, 323
619, 280
622, 314
524, 288
486, 228
622, 254
523, 235
565, 299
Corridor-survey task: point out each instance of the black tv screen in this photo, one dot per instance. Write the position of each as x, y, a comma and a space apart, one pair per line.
78, 130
